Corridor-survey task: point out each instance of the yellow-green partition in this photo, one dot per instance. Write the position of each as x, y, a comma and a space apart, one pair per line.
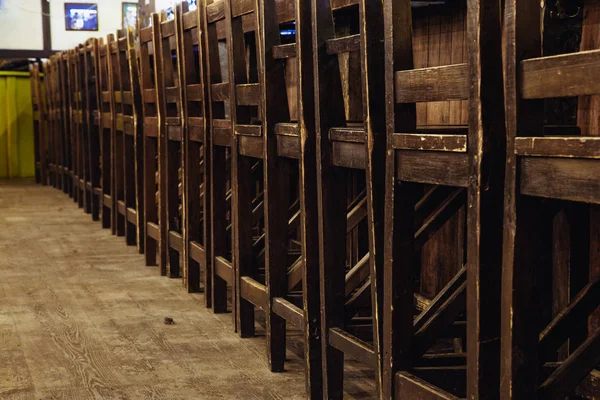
16, 126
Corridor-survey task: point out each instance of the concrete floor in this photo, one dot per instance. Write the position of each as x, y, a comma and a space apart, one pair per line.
81, 317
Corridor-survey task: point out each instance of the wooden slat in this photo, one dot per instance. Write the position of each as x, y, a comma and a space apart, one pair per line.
287, 129
350, 134
352, 346
349, 155
288, 146
145, 34
409, 386
215, 11
569, 147
167, 28
251, 146
151, 126
132, 215
288, 311
241, 7
172, 95
219, 91
175, 241
174, 133
561, 178
197, 252
438, 168
127, 97
414, 141
248, 130
560, 76
447, 82
190, 20
108, 201
344, 44
339, 4
153, 230
196, 129
253, 291
224, 269
247, 94
121, 207
284, 51
194, 92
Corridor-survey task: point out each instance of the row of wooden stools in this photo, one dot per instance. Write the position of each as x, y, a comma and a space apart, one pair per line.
377, 175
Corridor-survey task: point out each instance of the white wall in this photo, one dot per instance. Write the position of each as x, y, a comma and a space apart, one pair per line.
21, 25
109, 20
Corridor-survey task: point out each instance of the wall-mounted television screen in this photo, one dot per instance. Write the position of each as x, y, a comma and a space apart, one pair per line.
81, 16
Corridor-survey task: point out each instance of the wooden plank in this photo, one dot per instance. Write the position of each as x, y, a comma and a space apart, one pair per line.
560, 76
409, 386
343, 44
352, 346
412, 141
215, 11
251, 146
220, 91
248, 130
289, 312
253, 291
167, 28
349, 134
153, 230
247, 94
349, 155
561, 178
447, 82
224, 269
175, 241
121, 207
569, 147
284, 51
132, 215
195, 92
438, 168
288, 146
241, 7
197, 252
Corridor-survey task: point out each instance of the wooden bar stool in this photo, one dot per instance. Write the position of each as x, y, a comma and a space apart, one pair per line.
215, 22
67, 123
433, 171
154, 145
72, 77
249, 217
106, 133
75, 125
549, 352
348, 75
169, 61
196, 142
261, 230
82, 130
39, 124
58, 139
93, 123
50, 94
133, 163
117, 47
62, 111
290, 154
